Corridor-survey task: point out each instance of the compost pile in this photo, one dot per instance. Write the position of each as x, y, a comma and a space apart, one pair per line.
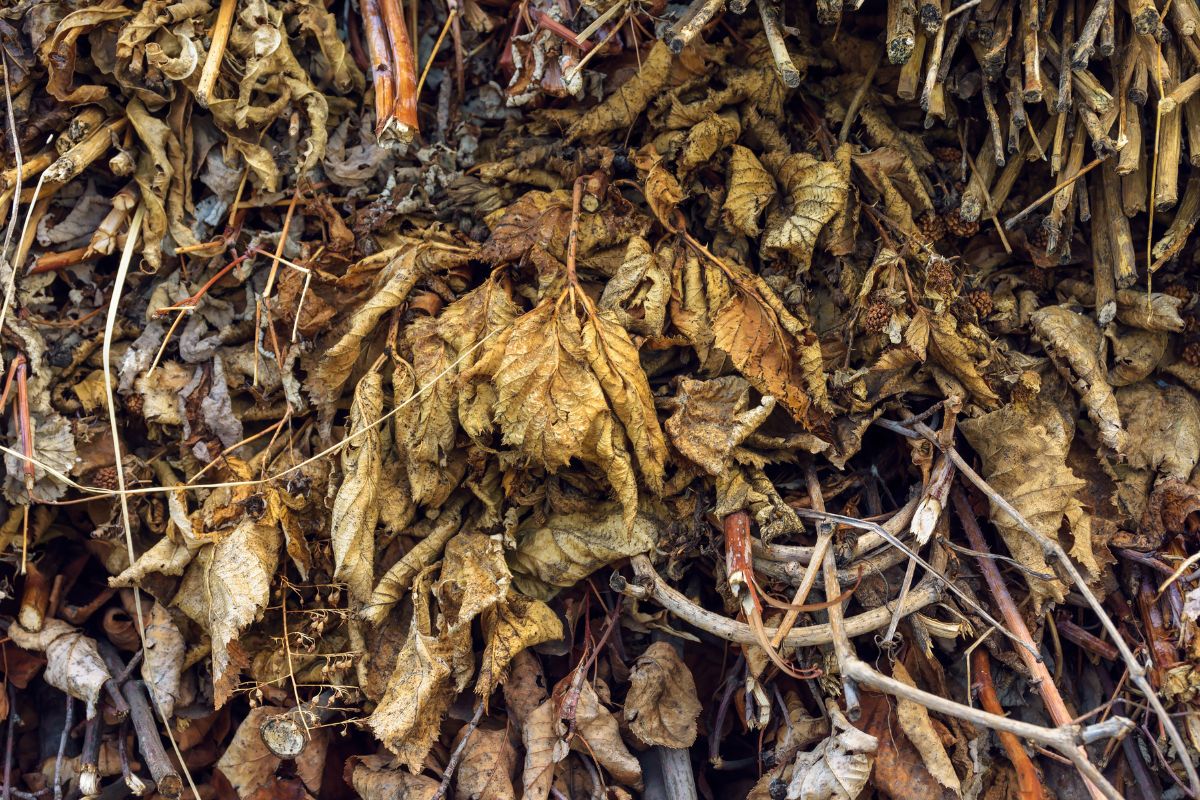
600, 398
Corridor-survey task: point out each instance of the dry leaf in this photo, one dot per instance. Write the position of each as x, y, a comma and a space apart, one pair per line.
1077, 348
488, 763
373, 779
837, 768
162, 666
621, 108
598, 735
355, 510
1163, 427
637, 294
247, 763
1024, 451
508, 629
661, 706
914, 720
73, 664
813, 194
712, 418
544, 748
750, 191
567, 547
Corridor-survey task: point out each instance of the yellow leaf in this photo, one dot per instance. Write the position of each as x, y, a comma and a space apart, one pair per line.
509, 628
706, 139
712, 418
487, 766
474, 579
661, 706
917, 726
958, 355
751, 189
813, 193
355, 510
637, 294
621, 108
568, 547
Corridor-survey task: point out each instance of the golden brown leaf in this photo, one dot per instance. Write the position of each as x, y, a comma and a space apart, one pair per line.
712, 418
917, 726
508, 629
621, 108
637, 294
374, 779
1076, 347
751, 189
489, 761
1163, 426
813, 193
355, 510
959, 356
709, 137
661, 707
567, 547
598, 735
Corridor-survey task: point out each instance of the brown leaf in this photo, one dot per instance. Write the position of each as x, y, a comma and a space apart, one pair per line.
355, 510
247, 763
1162, 427
813, 193
661, 706
508, 629
750, 191
836, 769
598, 735
622, 107
374, 779
915, 722
489, 761
73, 664
712, 418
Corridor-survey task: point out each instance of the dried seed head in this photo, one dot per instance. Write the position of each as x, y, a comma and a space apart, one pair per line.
1179, 291
1039, 237
940, 275
879, 314
135, 404
947, 155
106, 478
932, 226
981, 301
960, 227
1191, 353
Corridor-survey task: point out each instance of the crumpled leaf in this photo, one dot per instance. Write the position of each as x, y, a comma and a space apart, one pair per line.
228, 584
474, 578
355, 510
162, 666
555, 377
958, 355
544, 748
712, 418
488, 763
247, 763
622, 107
836, 769
637, 294
1163, 427
661, 707
73, 664
1153, 312
915, 721
53, 446
399, 577
409, 715
1024, 450
750, 191
707, 138
1076, 347
598, 735
373, 779
567, 547
166, 557
509, 628
813, 194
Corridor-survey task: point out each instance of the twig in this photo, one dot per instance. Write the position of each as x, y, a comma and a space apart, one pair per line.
166, 779
135, 784
1137, 672
841, 642
1067, 739
1027, 775
820, 548
68, 721
216, 52
651, 585
1042, 678
1012, 221
89, 759
698, 14
779, 52
456, 756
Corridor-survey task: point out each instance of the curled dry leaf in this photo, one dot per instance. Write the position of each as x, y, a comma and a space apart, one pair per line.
544, 747
661, 707
1024, 451
712, 418
838, 767
373, 778
598, 735
637, 294
569, 547
915, 721
1163, 427
247, 763
813, 194
355, 510
73, 664
622, 107
162, 665
508, 629
750, 191
1075, 344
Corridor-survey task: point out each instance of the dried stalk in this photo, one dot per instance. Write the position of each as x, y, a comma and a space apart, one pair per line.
1104, 277
930, 13
910, 73
1085, 45
783, 62
820, 548
216, 52
1116, 224
1052, 549
901, 30
1145, 16
1042, 679
1187, 214
166, 778
81, 126
80, 157
698, 14
650, 585
1027, 775
1033, 60
399, 125
1066, 739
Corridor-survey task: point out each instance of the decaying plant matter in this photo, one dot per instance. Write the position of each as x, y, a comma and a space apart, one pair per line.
600, 398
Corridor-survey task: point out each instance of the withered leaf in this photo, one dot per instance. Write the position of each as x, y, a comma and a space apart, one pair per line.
544, 748
1024, 450
247, 763
712, 418
751, 189
598, 735
915, 721
621, 108
712, 135
1163, 427
1076, 346
162, 666
373, 778
836, 769
813, 193
567, 547
488, 763
637, 294
355, 510
73, 664
958, 355
661, 706
509, 628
